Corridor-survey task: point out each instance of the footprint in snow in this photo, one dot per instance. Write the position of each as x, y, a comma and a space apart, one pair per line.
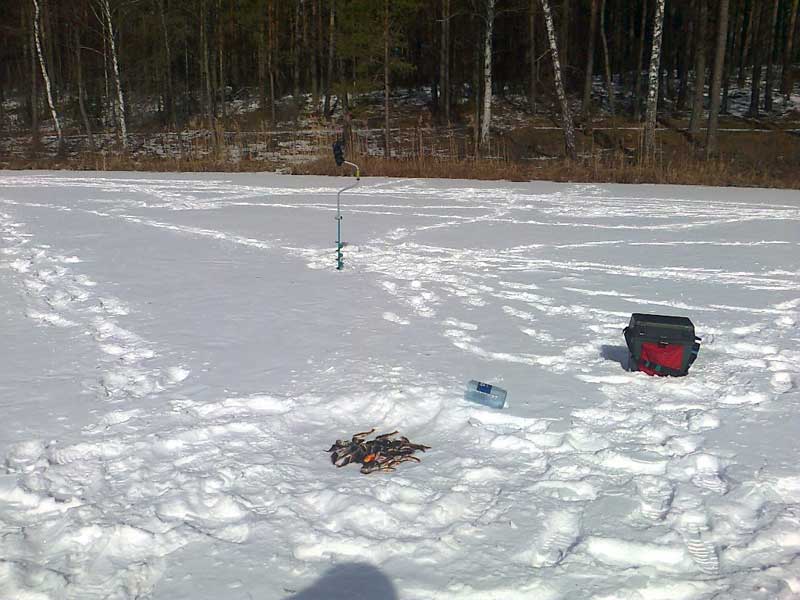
561, 532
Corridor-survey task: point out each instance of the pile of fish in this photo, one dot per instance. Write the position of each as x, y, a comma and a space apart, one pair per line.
381, 454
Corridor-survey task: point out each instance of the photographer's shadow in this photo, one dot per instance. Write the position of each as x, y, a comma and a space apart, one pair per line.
349, 581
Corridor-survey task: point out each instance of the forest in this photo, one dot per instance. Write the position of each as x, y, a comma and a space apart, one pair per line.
80, 75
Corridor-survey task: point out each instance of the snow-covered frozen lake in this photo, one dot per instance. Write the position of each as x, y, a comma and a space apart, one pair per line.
179, 352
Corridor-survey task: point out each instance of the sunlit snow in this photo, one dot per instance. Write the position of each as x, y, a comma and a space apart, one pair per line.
180, 351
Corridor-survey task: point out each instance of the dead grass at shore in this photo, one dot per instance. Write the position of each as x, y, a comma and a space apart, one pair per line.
682, 170
618, 169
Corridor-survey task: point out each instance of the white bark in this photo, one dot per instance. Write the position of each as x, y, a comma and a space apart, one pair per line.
566, 114
652, 88
487, 74
37, 37
120, 103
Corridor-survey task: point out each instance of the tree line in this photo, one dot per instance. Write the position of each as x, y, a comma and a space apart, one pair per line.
105, 64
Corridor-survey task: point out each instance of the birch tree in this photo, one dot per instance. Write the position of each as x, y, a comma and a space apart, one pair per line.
120, 100
38, 39
716, 81
652, 89
487, 72
566, 114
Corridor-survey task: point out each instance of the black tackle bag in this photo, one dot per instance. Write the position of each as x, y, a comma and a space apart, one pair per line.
661, 345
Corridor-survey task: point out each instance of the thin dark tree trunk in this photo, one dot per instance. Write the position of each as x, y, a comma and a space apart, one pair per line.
170, 99
34, 87
272, 31
607, 59
386, 146
331, 50
637, 94
221, 79
314, 57
744, 58
210, 112
734, 35
690, 24
699, 68
587, 81
772, 33
81, 88
534, 68
789, 49
444, 62
755, 87
564, 36
712, 144
296, 52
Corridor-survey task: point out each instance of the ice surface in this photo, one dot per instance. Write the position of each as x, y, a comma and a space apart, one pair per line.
180, 352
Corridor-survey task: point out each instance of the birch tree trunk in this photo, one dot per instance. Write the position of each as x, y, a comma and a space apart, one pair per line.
699, 68
637, 102
120, 100
587, 82
788, 50
487, 74
652, 90
566, 114
38, 39
716, 82
386, 148
770, 57
607, 59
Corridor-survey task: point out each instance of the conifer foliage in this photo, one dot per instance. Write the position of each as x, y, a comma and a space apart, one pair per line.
89, 66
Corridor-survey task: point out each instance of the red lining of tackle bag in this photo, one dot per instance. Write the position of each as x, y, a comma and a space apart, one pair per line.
665, 355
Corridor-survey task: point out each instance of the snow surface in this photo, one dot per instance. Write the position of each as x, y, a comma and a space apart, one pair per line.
180, 352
